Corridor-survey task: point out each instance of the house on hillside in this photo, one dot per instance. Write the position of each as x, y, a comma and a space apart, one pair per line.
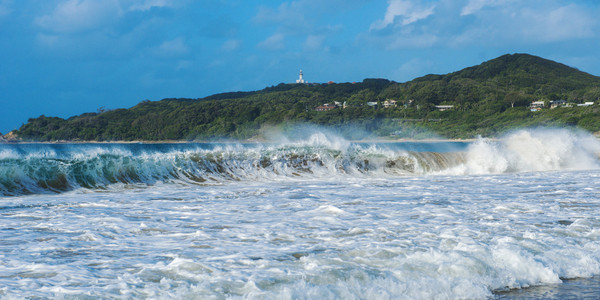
536, 105
390, 103
326, 107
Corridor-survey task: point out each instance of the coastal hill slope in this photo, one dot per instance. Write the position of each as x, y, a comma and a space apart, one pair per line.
522, 66
487, 99
524, 74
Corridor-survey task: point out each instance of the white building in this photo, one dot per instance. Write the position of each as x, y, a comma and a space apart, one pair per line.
586, 104
389, 103
444, 107
536, 105
300, 79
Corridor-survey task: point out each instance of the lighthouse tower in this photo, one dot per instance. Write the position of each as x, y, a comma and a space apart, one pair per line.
300, 79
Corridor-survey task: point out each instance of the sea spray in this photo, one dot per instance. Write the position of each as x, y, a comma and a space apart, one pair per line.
48, 168
58, 168
300, 219
394, 237
532, 151
553, 149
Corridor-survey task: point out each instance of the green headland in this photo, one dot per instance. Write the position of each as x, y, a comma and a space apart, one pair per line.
505, 93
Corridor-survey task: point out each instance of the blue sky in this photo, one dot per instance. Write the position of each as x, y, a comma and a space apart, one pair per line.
66, 57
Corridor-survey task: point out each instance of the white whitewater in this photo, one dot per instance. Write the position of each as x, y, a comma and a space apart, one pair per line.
321, 218
530, 151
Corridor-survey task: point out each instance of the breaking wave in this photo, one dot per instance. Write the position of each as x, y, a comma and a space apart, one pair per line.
30, 169
532, 151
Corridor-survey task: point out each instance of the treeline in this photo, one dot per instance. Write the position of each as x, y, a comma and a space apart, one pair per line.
487, 100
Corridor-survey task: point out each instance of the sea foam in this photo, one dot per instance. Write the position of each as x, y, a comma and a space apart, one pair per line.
531, 151
31, 169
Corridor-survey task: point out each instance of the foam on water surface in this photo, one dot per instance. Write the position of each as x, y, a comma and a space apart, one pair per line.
441, 237
32, 169
313, 221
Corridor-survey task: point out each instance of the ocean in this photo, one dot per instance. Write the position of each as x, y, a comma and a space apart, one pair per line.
313, 218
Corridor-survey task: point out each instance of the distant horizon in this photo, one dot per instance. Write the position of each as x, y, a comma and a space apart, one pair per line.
67, 57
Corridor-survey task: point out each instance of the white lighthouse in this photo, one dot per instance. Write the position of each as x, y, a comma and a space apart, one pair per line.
300, 79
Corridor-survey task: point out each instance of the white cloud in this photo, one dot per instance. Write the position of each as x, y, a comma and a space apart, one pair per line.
71, 16
184, 64
308, 25
5, 7
274, 42
411, 69
77, 28
409, 25
80, 15
47, 39
300, 13
144, 5
562, 23
413, 41
473, 35
314, 42
473, 6
175, 47
476, 5
303, 17
530, 22
289, 17
231, 45
406, 10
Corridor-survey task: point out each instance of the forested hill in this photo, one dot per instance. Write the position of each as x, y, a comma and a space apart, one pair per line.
487, 100
518, 67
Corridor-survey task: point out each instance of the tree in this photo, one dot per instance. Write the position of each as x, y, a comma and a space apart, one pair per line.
516, 98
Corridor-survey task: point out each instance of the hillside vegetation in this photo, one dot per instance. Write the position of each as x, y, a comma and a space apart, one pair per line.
487, 100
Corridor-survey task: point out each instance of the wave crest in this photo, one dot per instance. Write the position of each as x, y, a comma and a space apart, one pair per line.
532, 151
52, 168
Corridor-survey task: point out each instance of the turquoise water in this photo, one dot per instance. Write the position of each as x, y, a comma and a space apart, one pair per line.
55, 168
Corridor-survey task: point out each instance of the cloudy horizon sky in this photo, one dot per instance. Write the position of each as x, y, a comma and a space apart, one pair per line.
66, 57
